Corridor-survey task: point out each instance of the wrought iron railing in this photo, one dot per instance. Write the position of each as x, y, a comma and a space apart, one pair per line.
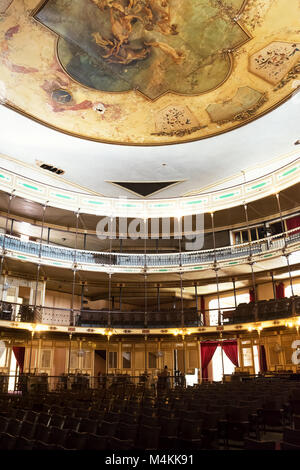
45, 251
264, 310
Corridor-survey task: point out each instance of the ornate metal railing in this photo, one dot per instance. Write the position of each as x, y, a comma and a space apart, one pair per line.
49, 252
265, 310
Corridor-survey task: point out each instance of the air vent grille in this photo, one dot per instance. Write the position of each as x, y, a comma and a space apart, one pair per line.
52, 168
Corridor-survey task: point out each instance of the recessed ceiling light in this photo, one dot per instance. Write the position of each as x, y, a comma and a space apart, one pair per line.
297, 142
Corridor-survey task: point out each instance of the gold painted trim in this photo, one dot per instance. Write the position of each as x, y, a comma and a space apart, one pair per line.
159, 331
152, 144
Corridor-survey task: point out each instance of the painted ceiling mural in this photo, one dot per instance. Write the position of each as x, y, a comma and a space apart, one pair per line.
148, 72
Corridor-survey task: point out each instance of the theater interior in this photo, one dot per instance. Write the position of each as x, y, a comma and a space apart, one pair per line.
149, 229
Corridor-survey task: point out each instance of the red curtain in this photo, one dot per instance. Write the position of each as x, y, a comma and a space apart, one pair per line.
202, 308
230, 348
252, 295
292, 223
208, 349
263, 359
280, 294
19, 353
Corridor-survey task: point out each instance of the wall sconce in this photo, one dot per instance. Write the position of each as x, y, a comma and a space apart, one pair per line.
183, 332
108, 333
259, 330
41, 328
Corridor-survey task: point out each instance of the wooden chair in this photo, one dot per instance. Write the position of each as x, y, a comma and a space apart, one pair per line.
97, 443
252, 444
148, 437
71, 423
115, 443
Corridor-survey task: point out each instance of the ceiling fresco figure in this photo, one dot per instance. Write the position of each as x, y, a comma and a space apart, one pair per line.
154, 46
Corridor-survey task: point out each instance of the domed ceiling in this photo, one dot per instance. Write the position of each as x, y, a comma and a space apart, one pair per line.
148, 72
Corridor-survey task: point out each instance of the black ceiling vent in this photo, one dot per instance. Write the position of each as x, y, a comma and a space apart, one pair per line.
51, 168
145, 188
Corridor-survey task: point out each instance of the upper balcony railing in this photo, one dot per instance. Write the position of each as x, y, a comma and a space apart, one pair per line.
45, 253
244, 313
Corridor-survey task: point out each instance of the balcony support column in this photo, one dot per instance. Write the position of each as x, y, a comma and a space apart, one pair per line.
181, 299
109, 300
284, 251
145, 234
199, 361
72, 313
222, 356
251, 263
234, 292
120, 298
216, 269
290, 274
181, 285
4, 289
146, 357
184, 358
197, 306
39, 263
145, 302
30, 352
11, 196
109, 276
273, 284
82, 294
158, 298
107, 356
69, 355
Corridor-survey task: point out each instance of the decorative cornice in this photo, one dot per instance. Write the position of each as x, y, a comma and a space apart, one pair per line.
259, 188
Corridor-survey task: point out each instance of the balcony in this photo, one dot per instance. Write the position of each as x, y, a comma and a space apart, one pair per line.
17, 315
93, 260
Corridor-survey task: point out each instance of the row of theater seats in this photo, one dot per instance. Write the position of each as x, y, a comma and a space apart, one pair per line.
264, 310
25, 314
203, 417
133, 319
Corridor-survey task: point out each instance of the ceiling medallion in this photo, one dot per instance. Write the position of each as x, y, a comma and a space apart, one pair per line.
148, 72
